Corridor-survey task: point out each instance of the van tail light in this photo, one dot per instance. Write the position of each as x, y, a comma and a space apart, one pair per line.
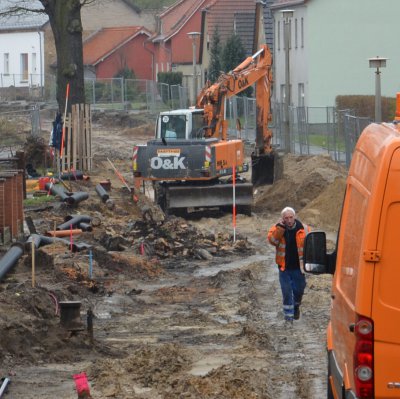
364, 358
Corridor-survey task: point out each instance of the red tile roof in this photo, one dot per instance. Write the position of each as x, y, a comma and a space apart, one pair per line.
104, 42
222, 14
175, 17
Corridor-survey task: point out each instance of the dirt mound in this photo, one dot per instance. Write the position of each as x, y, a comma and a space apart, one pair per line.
315, 183
324, 211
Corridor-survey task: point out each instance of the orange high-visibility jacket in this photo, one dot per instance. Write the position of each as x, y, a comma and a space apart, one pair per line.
276, 237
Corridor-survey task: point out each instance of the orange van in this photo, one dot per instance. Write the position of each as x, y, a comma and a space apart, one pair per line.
363, 334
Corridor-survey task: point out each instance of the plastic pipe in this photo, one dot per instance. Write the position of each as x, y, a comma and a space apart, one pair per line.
10, 259
102, 193
76, 198
40, 240
85, 226
76, 175
58, 191
75, 221
63, 233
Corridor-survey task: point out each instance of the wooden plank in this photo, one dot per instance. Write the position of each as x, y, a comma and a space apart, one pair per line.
74, 138
69, 139
88, 128
78, 138
83, 136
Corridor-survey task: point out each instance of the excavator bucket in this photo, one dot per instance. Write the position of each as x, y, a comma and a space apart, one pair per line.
265, 169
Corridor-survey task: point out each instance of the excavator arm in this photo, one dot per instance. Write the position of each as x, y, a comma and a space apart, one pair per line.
255, 69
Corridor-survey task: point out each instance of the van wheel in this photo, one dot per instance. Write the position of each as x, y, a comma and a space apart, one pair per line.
329, 394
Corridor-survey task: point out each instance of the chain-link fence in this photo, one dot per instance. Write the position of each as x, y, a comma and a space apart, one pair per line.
16, 126
319, 130
312, 130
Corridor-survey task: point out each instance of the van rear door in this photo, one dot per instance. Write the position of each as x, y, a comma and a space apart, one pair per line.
386, 289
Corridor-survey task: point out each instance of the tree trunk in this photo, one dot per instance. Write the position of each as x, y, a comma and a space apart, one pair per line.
66, 24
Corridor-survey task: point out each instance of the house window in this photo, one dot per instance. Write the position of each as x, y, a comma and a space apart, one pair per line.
34, 63
24, 67
278, 29
301, 95
282, 94
6, 63
302, 32
295, 33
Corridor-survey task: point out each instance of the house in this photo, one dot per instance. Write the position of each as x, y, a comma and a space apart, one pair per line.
176, 48
330, 44
105, 14
111, 50
113, 13
173, 46
21, 49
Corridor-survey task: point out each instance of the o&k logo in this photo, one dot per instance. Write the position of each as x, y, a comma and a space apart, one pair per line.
167, 163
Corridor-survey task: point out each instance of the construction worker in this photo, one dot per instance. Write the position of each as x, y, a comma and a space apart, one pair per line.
287, 236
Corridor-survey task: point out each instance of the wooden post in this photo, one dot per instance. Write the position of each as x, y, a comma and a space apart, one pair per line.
88, 120
69, 138
74, 139
83, 133
33, 264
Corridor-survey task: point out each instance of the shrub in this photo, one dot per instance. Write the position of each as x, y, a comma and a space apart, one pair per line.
171, 78
365, 106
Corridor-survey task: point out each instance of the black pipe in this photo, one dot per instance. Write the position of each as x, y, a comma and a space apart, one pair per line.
85, 226
10, 259
35, 238
58, 191
76, 198
40, 240
102, 193
75, 221
76, 175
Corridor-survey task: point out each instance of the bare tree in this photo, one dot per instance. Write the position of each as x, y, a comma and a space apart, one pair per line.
65, 21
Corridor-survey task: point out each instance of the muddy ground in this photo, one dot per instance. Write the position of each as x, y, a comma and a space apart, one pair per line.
180, 310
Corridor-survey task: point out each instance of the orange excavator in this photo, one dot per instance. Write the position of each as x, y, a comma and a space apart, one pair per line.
191, 161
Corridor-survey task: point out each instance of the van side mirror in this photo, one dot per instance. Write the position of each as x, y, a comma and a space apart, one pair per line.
315, 256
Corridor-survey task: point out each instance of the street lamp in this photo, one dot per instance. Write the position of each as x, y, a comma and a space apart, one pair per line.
287, 14
377, 63
194, 36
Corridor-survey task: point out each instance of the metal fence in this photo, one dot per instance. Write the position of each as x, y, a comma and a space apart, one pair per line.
15, 127
313, 130
319, 130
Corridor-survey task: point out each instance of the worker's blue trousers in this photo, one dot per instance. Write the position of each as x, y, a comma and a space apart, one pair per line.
293, 283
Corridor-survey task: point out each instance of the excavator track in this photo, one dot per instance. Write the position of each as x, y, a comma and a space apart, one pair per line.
174, 197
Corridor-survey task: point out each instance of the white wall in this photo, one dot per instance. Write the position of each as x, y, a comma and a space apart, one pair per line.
298, 56
18, 43
339, 37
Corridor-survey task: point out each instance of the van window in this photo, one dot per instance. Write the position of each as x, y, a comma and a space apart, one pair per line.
349, 247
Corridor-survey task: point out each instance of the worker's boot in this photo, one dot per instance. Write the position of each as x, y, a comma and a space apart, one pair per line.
296, 315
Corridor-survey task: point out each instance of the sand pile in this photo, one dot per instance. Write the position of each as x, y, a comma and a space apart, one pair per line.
313, 185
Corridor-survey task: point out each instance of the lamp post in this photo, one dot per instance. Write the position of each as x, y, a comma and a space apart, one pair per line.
377, 63
194, 36
287, 14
